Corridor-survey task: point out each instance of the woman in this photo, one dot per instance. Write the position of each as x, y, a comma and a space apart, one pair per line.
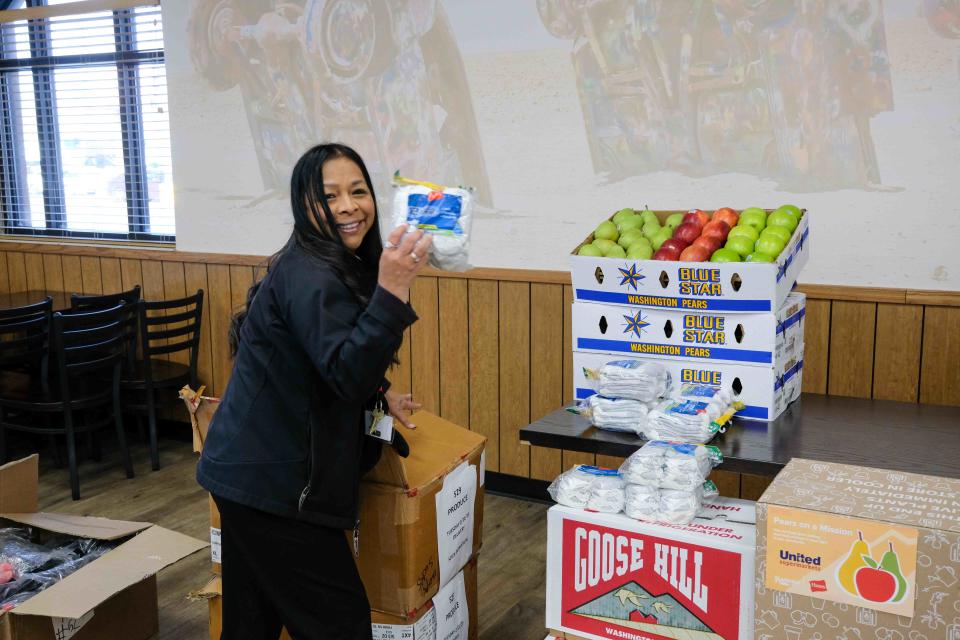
287, 446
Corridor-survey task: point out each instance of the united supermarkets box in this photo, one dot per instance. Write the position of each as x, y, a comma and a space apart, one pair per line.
856, 552
692, 286
765, 391
745, 338
610, 577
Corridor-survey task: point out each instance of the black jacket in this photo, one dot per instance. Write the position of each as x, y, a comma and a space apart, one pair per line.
288, 435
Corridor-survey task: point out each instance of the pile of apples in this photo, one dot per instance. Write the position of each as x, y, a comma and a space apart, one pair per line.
696, 236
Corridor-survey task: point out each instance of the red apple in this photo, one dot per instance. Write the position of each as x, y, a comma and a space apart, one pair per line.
701, 217
875, 585
675, 244
666, 253
688, 232
694, 253
717, 229
709, 243
728, 215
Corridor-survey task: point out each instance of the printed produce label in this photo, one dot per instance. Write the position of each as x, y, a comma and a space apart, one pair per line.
859, 562
455, 502
627, 584
450, 605
215, 544
393, 632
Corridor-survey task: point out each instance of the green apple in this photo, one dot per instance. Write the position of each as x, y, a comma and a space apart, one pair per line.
628, 237
649, 216
650, 229
741, 244
793, 210
770, 245
590, 250
619, 216
753, 217
758, 256
616, 251
781, 232
640, 251
725, 255
630, 222
660, 237
673, 221
782, 219
604, 245
606, 230
744, 230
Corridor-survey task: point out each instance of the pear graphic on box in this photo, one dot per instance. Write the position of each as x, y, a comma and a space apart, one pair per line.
633, 606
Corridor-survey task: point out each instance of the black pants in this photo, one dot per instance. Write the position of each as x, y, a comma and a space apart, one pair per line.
279, 572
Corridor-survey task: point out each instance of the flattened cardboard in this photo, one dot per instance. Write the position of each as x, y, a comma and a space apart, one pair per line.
201, 410
80, 526
18, 485
931, 504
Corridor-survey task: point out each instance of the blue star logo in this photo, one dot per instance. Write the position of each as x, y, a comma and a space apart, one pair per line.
630, 276
635, 324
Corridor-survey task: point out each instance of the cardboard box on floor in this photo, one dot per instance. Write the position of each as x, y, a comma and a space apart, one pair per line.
113, 596
450, 615
857, 553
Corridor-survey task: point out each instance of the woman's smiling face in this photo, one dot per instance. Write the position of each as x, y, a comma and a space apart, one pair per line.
349, 199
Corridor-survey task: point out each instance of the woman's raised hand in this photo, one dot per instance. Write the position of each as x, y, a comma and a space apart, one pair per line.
404, 255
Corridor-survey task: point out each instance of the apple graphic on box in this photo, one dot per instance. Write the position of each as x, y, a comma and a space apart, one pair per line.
630, 222
674, 220
674, 244
651, 228
694, 253
666, 253
728, 215
757, 256
606, 230
628, 237
744, 230
781, 219
780, 232
754, 217
696, 216
640, 251
709, 243
623, 214
875, 585
662, 236
725, 255
649, 216
716, 228
741, 244
770, 245
616, 251
688, 232
590, 250
603, 244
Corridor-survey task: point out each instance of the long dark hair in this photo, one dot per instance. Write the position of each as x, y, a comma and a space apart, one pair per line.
357, 270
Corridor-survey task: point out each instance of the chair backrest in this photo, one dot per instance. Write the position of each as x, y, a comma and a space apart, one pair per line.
80, 302
87, 342
24, 336
170, 326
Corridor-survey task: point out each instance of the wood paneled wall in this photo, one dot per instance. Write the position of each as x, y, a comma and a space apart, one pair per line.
492, 347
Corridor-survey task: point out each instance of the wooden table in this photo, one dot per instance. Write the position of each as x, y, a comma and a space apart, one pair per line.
873, 433
61, 299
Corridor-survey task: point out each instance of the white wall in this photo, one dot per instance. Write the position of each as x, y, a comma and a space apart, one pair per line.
896, 229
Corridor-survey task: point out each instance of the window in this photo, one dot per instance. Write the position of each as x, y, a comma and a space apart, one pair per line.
84, 129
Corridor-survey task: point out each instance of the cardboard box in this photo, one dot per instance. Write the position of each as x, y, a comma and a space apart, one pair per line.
113, 596
201, 410
691, 286
766, 391
612, 577
821, 527
450, 615
739, 338
406, 553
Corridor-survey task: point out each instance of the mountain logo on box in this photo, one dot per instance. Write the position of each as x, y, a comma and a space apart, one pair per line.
633, 606
635, 324
631, 276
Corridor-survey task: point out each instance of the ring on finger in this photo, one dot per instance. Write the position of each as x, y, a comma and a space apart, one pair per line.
416, 258
389, 245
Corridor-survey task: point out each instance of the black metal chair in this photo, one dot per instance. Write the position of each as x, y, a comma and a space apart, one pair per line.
79, 302
166, 327
87, 350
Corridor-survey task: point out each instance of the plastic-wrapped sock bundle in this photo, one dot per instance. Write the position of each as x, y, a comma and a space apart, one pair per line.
674, 506
615, 414
444, 212
607, 494
575, 488
694, 421
631, 379
642, 502
670, 465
